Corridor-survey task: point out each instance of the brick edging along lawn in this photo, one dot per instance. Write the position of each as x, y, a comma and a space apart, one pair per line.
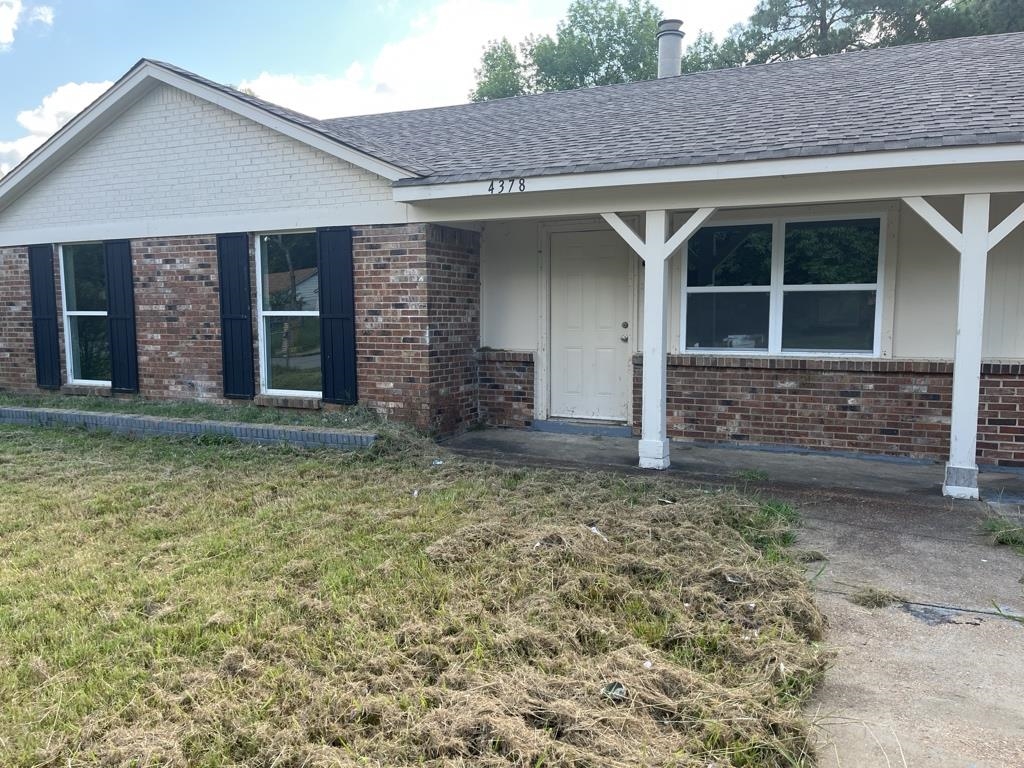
130, 424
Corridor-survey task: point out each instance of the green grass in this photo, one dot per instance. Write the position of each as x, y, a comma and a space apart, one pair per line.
1008, 533
176, 603
244, 411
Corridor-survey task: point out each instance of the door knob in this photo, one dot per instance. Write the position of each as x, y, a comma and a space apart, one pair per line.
623, 338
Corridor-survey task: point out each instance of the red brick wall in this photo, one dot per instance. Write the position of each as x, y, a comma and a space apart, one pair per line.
506, 388
391, 321
867, 406
1001, 416
453, 310
17, 359
177, 317
418, 323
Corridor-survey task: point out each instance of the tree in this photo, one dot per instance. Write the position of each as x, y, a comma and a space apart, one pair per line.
501, 73
603, 41
599, 42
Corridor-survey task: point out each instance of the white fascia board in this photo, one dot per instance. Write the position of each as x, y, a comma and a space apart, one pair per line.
864, 161
133, 86
362, 214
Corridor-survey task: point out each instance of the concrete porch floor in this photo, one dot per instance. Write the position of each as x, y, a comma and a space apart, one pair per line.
732, 465
931, 681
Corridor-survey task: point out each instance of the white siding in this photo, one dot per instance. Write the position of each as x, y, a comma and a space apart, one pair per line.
925, 312
174, 155
509, 286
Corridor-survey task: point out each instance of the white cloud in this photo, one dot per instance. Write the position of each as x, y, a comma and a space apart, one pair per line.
432, 66
43, 121
11, 14
43, 14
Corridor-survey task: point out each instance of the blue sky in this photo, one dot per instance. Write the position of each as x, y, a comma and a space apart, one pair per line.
323, 57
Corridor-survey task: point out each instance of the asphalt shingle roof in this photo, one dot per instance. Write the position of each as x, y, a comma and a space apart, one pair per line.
962, 92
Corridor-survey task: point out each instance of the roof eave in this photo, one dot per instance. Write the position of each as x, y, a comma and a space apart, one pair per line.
432, 189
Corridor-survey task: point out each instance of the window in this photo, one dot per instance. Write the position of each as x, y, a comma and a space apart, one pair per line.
84, 278
289, 317
784, 287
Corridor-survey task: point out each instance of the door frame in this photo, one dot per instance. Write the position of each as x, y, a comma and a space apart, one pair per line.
542, 360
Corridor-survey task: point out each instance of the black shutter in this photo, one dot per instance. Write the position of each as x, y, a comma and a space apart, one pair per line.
44, 316
337, 315
235, 315
124, 366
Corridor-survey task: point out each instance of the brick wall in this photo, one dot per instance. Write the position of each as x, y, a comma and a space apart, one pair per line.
177, 317
506, 388
1001, 415
418, 323
392, 327
172, 151
867, 406
17, 359
453, 310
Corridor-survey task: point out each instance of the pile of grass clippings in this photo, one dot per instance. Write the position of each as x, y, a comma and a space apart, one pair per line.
176, 604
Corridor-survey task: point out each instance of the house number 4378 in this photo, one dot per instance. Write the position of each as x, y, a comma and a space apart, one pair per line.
501, 186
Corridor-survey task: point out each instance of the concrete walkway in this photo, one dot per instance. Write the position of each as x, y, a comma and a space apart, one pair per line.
933, 681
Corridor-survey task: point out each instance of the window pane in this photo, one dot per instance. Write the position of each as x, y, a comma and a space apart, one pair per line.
730, 256
832, 252
727, 321
289, 266
85, 277
90, 348
837, 321
293, 353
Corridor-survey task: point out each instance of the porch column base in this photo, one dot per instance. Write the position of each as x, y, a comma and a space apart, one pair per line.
960, 482
654, 454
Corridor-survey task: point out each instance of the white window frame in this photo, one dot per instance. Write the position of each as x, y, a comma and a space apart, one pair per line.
777, 289
261, 327
68, 314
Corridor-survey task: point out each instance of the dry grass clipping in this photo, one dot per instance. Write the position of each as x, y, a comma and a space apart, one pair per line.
495, 611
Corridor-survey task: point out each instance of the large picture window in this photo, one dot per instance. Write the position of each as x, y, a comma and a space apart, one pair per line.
786, 286
289, 317
87, 342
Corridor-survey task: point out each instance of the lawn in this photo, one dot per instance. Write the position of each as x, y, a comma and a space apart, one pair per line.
180, 603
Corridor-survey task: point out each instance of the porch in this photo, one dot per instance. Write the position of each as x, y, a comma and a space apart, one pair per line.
927, 365
755, 466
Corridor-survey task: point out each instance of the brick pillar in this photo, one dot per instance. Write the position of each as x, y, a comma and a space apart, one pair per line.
453, 308
418, 323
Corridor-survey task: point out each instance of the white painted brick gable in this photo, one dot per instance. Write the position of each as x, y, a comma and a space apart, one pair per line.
172, 156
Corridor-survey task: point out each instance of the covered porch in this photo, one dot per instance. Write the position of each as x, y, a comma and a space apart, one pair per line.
930, 380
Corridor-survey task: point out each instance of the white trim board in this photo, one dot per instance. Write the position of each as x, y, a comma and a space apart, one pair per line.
860, 161
133, 86
361, 214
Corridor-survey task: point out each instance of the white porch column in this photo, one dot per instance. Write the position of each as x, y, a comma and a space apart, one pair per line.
655, 250
973, 243
961, 479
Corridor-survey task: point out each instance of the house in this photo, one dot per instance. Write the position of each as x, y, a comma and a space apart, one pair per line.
823, 253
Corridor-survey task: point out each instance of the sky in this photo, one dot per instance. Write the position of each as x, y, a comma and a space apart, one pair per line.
326, 58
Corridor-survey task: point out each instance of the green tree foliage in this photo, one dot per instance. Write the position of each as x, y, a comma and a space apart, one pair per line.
794, 29
605, 41
599, 42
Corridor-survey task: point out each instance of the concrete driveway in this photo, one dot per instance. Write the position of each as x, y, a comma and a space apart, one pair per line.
934, 681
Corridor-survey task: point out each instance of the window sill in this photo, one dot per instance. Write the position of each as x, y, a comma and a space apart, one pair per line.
289, 401
87, 390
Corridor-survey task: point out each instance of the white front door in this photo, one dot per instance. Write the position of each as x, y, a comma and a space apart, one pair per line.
591, 326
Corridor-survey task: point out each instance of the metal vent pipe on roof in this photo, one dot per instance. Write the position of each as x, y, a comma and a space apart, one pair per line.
670, 47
